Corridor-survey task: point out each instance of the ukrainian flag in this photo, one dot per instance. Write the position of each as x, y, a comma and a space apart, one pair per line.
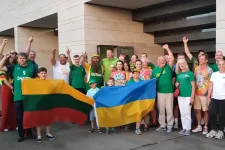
117, 106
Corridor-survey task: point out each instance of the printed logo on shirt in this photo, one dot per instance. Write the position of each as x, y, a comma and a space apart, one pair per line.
96, 74
22, 78
24, 73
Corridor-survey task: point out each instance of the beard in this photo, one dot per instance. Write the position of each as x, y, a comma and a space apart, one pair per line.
96, 66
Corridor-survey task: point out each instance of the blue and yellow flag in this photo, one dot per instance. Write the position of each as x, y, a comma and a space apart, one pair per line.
117, 106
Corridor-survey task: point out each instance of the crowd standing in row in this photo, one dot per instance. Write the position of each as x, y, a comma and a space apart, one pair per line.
178, 87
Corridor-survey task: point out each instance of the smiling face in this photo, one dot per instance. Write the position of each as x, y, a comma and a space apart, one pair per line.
136, 75
109, 54
138, 65
219, 56
161, 61
62, 59
203, 60
119, 65
126, 67
221, 66
32, 55
42, 75
76, 60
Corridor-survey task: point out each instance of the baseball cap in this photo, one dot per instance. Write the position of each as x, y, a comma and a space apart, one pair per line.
92, 81
135, 70
95, 55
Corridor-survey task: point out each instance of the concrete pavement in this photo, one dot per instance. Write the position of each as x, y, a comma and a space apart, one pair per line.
73, 137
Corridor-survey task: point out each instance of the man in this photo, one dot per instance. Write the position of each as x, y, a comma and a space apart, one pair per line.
61, 69
203, 74
150, 64
218, 57
20, 71
31, 53
134, 58
193, 60
77, 73
108, 63
163, 74
94, 70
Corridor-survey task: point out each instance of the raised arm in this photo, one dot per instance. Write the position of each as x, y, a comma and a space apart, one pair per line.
4, 42
171, 57
186, 49
28, 49
2, 62
53, 60
69, 58
83, 59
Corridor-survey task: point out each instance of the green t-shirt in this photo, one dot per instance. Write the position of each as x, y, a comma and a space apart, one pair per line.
151, 65
214, 67
77, 74
20, 73
132, 81
164, 84
184, 79
106, 64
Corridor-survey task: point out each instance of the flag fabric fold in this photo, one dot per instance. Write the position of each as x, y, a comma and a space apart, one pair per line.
117, 106
48, 101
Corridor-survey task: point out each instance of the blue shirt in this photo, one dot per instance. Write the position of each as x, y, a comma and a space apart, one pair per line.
91, 92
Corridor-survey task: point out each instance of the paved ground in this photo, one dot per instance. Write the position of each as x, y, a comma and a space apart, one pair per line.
72, 137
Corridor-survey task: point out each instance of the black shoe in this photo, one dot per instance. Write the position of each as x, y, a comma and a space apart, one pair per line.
91, 130
50, 137
20, 139
38, 139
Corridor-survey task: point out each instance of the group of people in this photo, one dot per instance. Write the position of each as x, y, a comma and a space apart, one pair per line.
178, 87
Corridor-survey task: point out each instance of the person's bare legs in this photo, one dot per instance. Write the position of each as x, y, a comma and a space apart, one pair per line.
138, 131
198, 116
146, 119
206, 118
154, 121
48, 130
38, 131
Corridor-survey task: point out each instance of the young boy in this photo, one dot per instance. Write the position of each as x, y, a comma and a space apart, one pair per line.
42, 74
90, 93
112, 130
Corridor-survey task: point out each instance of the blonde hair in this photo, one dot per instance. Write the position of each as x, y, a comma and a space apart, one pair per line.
178, 70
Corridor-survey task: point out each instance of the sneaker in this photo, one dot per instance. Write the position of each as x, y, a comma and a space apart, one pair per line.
99, 131
169, 129
182, 132
219, 135
197, 129
113, 131
205, 130
39, 139
16, 128
187, 132
175, 126
211, 134
126, 128
20, 139
6, 130
91, 130
160, 129
138, 132
50, 137
107, 131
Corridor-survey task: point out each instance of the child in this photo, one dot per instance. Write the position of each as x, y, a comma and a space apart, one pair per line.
42, 74
112, 130
90, 93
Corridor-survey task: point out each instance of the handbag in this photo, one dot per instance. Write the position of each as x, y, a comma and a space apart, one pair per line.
177, 91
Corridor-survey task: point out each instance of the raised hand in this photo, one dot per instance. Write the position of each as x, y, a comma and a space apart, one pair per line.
185, 39
84, 54
7, 55
31, 39
165, 46
68, 51
54, 51
5, 41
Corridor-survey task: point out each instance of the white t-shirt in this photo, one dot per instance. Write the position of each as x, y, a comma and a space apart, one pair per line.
61, 72
218, 80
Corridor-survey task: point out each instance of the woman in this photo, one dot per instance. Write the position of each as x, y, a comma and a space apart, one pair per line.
128, 71
216, 99
8, 109
119, 75
185, 82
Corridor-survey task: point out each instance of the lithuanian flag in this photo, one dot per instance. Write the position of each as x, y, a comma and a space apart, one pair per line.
48, 101
117, 106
